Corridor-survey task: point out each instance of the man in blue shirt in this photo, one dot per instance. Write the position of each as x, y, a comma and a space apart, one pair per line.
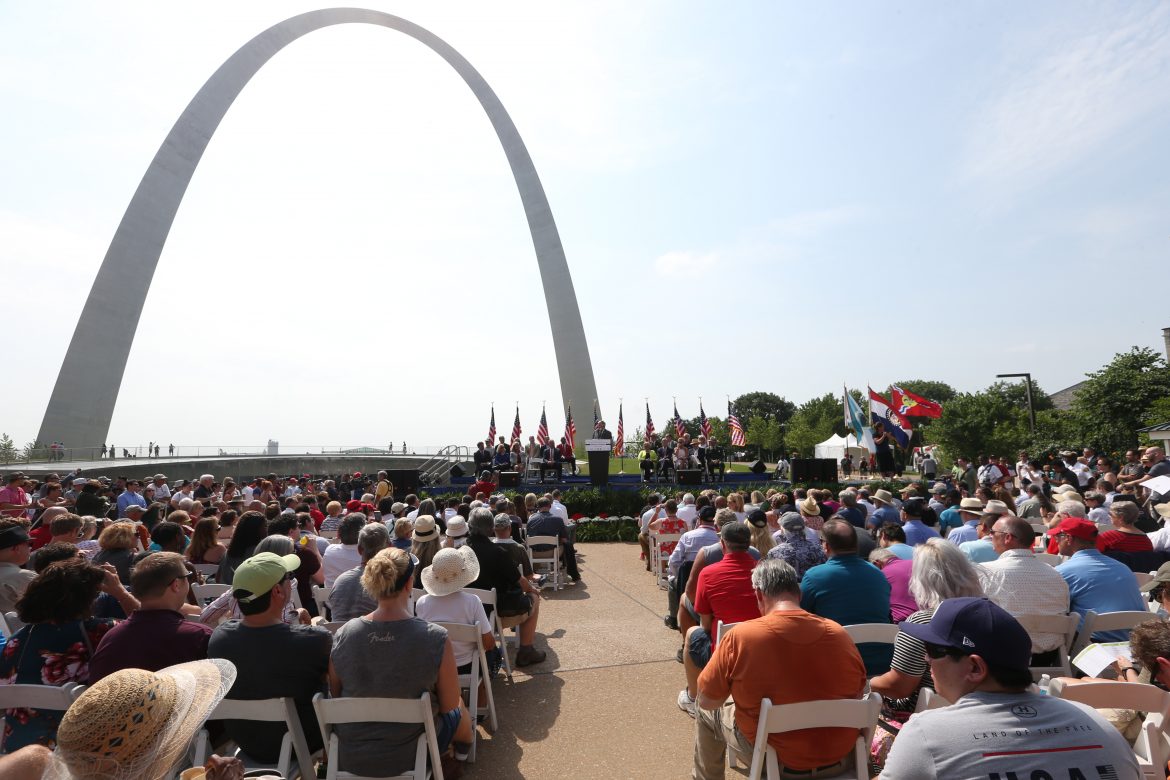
917, 532
970, 509
130, 496
1095, 582
848, 590
885, 511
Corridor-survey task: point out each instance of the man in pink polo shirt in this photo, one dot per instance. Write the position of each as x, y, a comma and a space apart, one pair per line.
14, 502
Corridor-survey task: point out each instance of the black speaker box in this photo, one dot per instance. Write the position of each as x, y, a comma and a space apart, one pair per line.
509, 479
690, 476
405, 481
457, 471
759, 467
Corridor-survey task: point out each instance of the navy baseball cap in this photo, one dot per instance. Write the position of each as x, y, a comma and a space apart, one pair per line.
976, 626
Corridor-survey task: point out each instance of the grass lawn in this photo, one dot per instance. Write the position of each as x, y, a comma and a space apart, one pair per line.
631, 466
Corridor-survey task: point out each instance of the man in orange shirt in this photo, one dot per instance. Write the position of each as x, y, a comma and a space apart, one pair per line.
788, 656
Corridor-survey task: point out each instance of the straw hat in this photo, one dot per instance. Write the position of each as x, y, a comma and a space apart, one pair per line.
137, 724
809, 507
456, 527
994, 507
450, 571
971, 504
883, 496
424, 529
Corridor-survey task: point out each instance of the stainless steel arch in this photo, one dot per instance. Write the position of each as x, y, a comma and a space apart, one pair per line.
83, 399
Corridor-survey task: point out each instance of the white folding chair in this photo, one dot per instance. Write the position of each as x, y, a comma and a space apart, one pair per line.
294, 759
532, 468
39, 697
331, 712
206, 570
205, 594
415, 595
488, 599
463, 632
321, 596
5, 631
1066, 626
1152, 746
861, 714
722, 628
14, 622
929, 700
1049, 558
872, 633
333, 626
549, 559
660, 558
1107, 621
734, 757
330, 536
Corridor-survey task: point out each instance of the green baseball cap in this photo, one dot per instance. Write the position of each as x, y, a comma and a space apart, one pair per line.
260, 574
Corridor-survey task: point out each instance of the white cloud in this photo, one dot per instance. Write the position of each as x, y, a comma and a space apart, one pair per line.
1090, 88
688, 264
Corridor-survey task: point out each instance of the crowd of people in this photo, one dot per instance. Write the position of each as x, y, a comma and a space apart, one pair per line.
111, 590
760, 586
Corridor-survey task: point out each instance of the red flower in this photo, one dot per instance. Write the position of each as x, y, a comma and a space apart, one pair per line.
576, 516
603, 515
69, 666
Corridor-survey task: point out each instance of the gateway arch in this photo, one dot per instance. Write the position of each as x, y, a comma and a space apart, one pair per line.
83, 399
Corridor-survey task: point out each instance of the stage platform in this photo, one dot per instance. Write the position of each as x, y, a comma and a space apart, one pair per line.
628, 482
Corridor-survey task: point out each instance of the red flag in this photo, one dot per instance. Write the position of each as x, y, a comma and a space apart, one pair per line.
620, 444
492, 430
542, 430
704, 423
516, 427
737, 437
910, 405
570, 428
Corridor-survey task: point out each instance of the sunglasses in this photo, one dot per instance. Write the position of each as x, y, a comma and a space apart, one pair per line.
936, 652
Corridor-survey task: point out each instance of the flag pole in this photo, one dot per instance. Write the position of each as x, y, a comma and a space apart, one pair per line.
622, 454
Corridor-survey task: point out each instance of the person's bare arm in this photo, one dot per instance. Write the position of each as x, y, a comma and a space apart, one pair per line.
448, 682
28, 763
693, 580
112, 585
707, 622
895, 684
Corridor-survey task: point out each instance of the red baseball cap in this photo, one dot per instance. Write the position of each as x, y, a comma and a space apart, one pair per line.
353, 505
1078, 527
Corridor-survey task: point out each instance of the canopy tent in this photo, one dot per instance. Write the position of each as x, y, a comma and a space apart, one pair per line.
835, 447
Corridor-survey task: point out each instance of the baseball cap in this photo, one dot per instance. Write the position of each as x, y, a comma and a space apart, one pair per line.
353, 505
260, 573
1078, 527
758, 518
707, 513
976, 626
1160, 578
792, 521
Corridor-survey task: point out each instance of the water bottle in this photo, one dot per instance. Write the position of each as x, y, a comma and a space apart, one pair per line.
1043, 685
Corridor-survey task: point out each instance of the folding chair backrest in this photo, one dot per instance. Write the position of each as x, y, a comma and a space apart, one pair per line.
207, 569
333, 626
37, 697
542, 540
321, 596
205, 594
464, 632
14, 622
1142, 577
1066, 626
488, 599
1049, 558
872, 632
929, 700
1108, 621
331, 712
294, 745
861, 714
1152, 746
721, 629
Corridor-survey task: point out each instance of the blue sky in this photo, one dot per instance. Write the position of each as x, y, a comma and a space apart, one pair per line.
752, 196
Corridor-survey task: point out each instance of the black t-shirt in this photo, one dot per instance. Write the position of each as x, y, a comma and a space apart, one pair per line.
271, 662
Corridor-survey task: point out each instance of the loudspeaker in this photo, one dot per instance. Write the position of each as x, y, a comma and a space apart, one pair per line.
828, 469
814, 470
689, 476
758, 467
509, 479
457, 470
405, 481
802, 470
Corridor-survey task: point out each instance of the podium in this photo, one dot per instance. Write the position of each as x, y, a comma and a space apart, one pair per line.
598, 452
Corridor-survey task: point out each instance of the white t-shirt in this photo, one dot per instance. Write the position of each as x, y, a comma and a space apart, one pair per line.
337, 559
458, 607
648, 517
162, 492
559, 509
688, 514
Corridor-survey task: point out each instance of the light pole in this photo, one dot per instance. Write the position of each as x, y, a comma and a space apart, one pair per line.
1027, 393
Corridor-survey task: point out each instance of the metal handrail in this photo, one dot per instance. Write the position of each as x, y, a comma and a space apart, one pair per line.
436, 469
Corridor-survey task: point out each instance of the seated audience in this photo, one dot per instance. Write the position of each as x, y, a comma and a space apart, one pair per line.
794, 547
403, 529
978, 656
892, 537
545, 523
1125, 536
897, 572
425, 541
970, 510
250, 529
119, 545
744, 666
424, 660
447, 602
343, 555
982, 550
1095, 582
205, 547
157, 634
272, 658
15, 550
65, 529
225, 607
916, 531
502, 526
348, 599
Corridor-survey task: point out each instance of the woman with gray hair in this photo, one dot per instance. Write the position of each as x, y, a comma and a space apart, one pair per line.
940, 571
1124, 536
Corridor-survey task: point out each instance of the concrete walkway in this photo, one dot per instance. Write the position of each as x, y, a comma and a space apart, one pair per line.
602, 705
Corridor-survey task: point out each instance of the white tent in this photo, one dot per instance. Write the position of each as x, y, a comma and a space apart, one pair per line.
835, 446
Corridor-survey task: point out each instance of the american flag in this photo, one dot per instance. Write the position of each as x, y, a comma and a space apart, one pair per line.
516, 427
679, 427
492, 430
542, 430
570, 428
649, 423
704, 423
596, 414
620, 444
737, 439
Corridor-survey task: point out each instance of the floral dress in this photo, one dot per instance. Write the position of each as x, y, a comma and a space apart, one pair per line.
46, 654
670, 525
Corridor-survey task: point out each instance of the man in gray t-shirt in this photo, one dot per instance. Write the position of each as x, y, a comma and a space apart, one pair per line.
348, 599
998, 728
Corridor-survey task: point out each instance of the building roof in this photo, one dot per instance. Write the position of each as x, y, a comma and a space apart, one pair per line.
1063, 399
1152, 428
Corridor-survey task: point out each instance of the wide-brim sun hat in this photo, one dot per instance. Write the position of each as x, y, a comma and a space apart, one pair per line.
135, 724
450, 571
883, 496
456, 527
809, 507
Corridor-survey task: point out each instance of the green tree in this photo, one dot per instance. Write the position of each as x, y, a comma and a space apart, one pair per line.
7, 449
992, 421
814, 421
766, 405
1113, 402
764, 434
